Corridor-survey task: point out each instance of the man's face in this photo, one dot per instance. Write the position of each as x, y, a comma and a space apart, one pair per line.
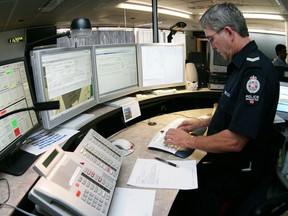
283, 54
219, 42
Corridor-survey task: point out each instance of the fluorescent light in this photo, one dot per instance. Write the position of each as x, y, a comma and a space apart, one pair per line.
149, 9
280, 5
263, 16
266, 31
50, 5
174, 13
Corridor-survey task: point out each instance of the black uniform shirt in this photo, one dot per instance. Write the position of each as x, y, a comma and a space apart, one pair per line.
247, 106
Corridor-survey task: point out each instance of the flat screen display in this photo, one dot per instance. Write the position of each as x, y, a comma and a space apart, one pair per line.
282, 107
161, 65
15, 94
65, 75
116, 70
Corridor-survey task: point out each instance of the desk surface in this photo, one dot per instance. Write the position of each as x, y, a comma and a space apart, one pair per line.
140, 135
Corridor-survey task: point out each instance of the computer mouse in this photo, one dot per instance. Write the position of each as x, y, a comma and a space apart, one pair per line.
123, 144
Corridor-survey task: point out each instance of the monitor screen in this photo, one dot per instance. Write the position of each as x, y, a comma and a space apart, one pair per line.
282, 72
116, 70
65, 75
38, 33
217, 63
161, 65
282, 107
15, 94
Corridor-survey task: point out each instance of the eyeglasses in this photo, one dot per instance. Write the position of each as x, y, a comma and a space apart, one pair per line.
211, 38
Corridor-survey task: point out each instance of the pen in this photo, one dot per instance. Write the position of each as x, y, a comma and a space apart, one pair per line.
165, 161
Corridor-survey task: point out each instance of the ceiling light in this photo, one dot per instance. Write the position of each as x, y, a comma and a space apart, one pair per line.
280, 5
263, 16
266, 31
50, 5
149, 9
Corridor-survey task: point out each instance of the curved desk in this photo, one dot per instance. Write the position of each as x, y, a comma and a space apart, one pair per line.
108, 121
140, 135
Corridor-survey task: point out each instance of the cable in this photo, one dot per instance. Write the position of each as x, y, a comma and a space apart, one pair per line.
8, 191
18, 209
3, 203
151, 123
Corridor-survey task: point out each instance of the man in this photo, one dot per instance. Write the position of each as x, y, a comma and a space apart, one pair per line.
281, 53
239, 144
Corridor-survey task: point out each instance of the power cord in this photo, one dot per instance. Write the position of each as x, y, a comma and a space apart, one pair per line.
16, 208
8, 192
4, 203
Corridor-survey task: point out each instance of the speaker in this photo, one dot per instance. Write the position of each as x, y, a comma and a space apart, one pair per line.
191, 77
203, 76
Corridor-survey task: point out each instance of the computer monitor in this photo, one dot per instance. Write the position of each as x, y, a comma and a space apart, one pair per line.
15, 94
161, 65
282, 73
65, 75
282, 107
35, 34
116, 70
217, 64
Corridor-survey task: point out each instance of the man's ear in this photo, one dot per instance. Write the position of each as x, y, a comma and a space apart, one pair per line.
230, 31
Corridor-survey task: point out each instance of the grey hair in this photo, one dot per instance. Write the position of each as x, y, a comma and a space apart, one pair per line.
225, 14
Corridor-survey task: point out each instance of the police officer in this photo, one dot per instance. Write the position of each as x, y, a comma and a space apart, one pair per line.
239, 141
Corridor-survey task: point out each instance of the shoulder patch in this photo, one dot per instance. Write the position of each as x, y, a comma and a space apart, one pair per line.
253, 85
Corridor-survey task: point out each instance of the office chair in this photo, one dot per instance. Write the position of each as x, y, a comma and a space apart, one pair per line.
270, 196
277, 202
274, 206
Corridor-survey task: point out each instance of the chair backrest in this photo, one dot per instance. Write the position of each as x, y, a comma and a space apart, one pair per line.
276, 202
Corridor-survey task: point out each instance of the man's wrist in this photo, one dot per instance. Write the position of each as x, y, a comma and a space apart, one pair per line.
191, 141
204, 120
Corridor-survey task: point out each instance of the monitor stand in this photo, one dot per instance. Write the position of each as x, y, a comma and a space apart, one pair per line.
79, 121
17, 163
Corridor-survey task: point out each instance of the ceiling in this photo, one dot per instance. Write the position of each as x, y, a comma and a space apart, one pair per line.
21, 14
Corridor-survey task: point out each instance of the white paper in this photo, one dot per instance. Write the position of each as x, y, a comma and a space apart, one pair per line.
131, 110
41, 141
150, 173
132, 202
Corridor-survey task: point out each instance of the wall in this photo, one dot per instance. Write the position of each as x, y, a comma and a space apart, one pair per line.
11, 50
267, 42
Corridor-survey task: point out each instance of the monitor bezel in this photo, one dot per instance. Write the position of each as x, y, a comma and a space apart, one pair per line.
36, 60
282, 114
20, 141
160, 86
121, 92
213, 66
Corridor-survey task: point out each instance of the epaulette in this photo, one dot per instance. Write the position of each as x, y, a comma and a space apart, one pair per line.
253, 60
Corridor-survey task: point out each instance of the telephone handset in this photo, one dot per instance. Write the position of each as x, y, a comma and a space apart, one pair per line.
72, 184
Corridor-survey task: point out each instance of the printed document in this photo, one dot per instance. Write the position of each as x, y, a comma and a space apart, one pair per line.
42, 140
132, 202
151, 173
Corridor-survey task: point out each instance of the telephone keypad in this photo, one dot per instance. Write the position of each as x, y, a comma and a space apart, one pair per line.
101, 153
96, 189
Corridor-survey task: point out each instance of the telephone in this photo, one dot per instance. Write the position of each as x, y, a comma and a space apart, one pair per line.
80, 182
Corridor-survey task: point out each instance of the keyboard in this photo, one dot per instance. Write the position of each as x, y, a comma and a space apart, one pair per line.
157, 143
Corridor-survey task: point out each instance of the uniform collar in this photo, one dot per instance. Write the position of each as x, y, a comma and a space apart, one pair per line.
240, 58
